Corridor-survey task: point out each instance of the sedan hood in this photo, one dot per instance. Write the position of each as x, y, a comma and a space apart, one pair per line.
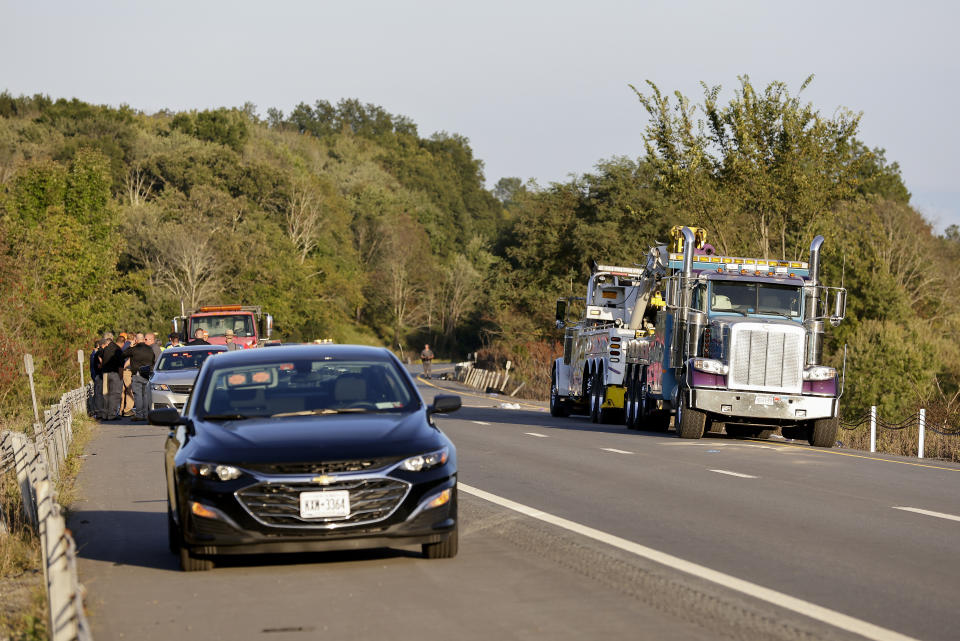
316, 438
175, 377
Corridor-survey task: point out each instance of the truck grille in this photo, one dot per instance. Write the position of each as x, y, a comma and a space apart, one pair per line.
766, 359
278, 504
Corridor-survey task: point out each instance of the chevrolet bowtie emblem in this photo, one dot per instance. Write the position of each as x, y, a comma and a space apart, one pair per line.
324, 480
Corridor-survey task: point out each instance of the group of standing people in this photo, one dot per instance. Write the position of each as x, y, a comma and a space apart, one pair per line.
119, 390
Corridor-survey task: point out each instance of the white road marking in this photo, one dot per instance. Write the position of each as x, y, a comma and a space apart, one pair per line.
743, 476
615, 451
480, 422
939, 515
812, 610
537, 435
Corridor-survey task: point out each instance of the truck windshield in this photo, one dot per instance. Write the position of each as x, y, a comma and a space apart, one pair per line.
241, 324
755, 298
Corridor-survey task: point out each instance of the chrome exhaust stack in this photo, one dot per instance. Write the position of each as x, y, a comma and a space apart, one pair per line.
812, 320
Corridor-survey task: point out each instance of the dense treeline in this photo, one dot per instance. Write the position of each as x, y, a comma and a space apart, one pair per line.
344, 222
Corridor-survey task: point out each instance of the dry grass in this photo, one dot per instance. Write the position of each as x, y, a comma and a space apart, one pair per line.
23, 608
904, 442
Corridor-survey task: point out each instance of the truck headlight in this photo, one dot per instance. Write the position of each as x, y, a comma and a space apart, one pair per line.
819, 373
710, 366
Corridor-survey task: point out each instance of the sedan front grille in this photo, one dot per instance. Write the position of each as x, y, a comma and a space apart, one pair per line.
766, 359
181, 389
325, 467
278, 503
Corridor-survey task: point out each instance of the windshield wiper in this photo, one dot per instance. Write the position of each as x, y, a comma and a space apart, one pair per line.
231, 417
775, 313
322, 412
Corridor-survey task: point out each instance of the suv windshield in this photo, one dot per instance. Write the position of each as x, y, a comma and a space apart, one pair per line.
755, 298
241, 324
305, 387
171, 360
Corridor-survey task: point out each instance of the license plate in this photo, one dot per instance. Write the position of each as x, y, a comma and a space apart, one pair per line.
763, 399
314, 505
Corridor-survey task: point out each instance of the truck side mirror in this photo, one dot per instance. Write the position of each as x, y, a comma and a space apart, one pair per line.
561, 312
839, 306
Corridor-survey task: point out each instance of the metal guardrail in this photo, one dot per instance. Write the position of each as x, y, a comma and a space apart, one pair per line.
38, 462
484, 380
919, 419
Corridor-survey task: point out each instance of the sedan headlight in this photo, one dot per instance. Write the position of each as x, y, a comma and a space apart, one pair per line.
426, 461
159, 387
213, 471
819, 373
710, 366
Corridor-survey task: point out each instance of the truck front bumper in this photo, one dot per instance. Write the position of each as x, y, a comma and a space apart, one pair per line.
763, 406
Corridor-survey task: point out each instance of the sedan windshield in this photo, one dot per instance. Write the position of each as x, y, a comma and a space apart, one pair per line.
171, 360
755, 298
305, 388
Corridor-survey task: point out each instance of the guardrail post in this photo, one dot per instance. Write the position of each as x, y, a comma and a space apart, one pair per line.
873, 428
923, 429
24, 456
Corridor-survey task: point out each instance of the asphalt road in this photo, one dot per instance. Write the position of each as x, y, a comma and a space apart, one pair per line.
815, 525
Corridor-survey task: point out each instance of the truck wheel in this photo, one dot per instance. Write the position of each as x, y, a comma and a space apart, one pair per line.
690, 423
824, 433
596, 397
557, 407
630, 403
650, 419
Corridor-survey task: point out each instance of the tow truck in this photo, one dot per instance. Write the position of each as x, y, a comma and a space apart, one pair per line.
737, 344
250, 326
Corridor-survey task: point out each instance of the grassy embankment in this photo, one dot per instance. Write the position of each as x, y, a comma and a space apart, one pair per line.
23, 608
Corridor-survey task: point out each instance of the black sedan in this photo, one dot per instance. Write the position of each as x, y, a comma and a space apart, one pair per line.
307, 448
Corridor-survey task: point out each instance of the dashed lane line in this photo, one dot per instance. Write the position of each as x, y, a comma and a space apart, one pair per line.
537, 435
779, 599
939, 515
737, 474
480, 422
615, 450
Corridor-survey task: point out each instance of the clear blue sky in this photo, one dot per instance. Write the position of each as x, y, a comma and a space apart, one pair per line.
539, 88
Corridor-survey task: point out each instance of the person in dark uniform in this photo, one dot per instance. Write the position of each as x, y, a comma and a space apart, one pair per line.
140, 354
111, 364
198, 338
96, 375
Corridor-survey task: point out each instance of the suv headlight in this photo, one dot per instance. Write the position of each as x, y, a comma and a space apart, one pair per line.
819, 373
426, 461
213, 471
710, 366
159, 387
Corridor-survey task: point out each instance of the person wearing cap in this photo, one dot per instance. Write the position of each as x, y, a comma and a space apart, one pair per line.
232, 345
174, 341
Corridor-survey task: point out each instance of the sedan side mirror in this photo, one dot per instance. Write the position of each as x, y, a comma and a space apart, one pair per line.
167, 416
444, 403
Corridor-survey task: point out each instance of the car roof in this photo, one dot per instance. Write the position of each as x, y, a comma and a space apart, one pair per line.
303, 351
196, 348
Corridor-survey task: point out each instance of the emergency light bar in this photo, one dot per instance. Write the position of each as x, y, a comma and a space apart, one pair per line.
743, 265
631, 272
